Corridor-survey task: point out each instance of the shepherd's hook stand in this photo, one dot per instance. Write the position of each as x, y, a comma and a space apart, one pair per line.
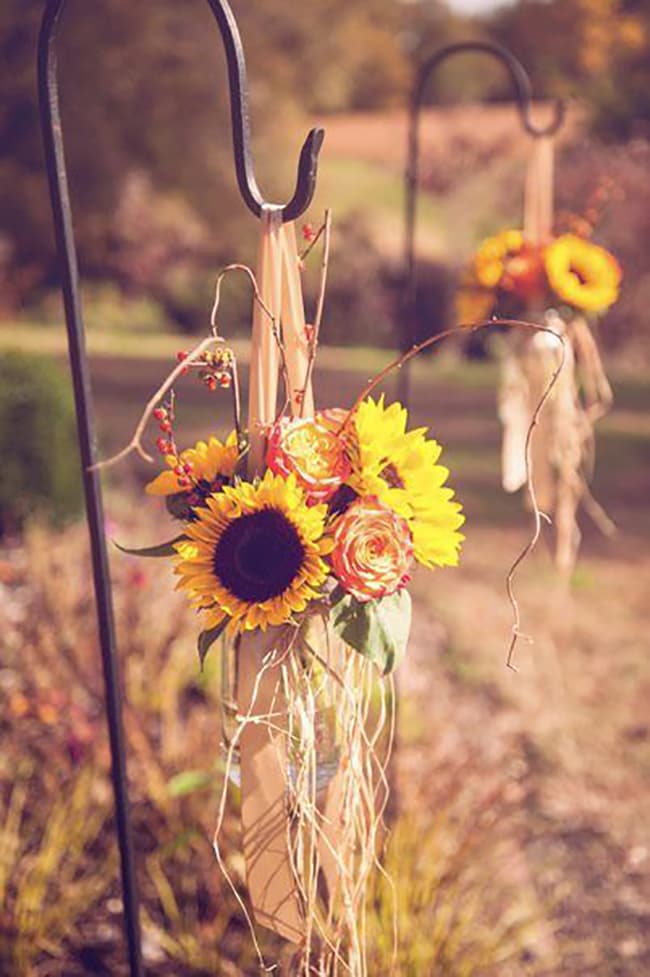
67, 254
522, 91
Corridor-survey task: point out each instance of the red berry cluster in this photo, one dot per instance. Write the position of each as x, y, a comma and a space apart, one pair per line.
308, 233
166, 445
214, 368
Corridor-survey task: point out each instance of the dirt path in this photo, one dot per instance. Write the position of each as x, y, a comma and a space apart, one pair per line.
559, 752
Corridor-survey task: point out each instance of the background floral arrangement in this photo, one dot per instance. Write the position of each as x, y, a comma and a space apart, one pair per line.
509, 273
565, 281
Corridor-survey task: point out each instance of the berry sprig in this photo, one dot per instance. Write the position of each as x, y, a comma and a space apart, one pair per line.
214, 367
166, 443
584, 224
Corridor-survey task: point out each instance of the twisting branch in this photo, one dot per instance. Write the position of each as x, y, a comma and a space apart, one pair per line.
135, 444
217, 293
326, 229
193, 358
538, 515
399, 362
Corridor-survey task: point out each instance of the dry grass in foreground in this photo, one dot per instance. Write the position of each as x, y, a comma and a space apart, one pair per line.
460, 914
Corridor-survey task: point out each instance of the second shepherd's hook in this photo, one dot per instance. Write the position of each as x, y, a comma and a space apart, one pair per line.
522, 92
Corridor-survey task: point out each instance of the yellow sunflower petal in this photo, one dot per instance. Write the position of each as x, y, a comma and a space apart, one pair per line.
401, 469
164, 484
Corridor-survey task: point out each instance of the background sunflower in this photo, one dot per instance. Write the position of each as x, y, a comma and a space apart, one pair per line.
583, 274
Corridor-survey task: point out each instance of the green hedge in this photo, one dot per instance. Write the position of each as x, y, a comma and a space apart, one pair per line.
39, 459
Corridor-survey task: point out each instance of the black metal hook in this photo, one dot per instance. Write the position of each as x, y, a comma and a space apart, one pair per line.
238, 85
522, 90
308, 161
518, 75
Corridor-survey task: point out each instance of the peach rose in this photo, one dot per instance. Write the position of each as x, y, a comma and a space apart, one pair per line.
372, 551
310, 450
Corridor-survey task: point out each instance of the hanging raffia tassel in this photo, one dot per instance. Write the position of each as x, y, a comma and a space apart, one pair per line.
526, 366
563, 455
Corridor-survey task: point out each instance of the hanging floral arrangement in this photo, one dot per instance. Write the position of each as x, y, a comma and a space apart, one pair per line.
348, 503
297, 536
509, 274
565, 281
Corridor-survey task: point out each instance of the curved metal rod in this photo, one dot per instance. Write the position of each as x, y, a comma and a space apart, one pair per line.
522, 88
64, 232
522, 91
308, 161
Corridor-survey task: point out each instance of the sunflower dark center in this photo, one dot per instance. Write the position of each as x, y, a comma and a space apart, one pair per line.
392, 477
258, 555
582, 278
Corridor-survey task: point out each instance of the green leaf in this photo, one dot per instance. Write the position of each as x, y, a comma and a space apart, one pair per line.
187, 782
178, 506
208, 638
163, 549
377, 629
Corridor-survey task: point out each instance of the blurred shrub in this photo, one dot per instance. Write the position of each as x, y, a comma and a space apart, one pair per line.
40, 464
105, 307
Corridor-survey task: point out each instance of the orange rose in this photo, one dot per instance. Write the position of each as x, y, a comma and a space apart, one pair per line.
372, 551
523, 273
312, 451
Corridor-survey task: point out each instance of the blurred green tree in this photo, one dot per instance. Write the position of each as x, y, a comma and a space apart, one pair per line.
594, 49
38, 444
144, 94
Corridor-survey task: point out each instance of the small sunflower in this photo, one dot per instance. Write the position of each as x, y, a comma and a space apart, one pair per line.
211, 463
582, 274
490, 259
254, 554
401, 469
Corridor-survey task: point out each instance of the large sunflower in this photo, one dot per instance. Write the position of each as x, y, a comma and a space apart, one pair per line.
582, 274
212, 463
401, 468
254, 554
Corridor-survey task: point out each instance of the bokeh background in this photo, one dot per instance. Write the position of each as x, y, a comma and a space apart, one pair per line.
521, 842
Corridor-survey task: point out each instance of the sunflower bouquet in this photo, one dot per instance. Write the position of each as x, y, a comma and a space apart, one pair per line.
564, 281
298, 534
510, 274
348, 503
